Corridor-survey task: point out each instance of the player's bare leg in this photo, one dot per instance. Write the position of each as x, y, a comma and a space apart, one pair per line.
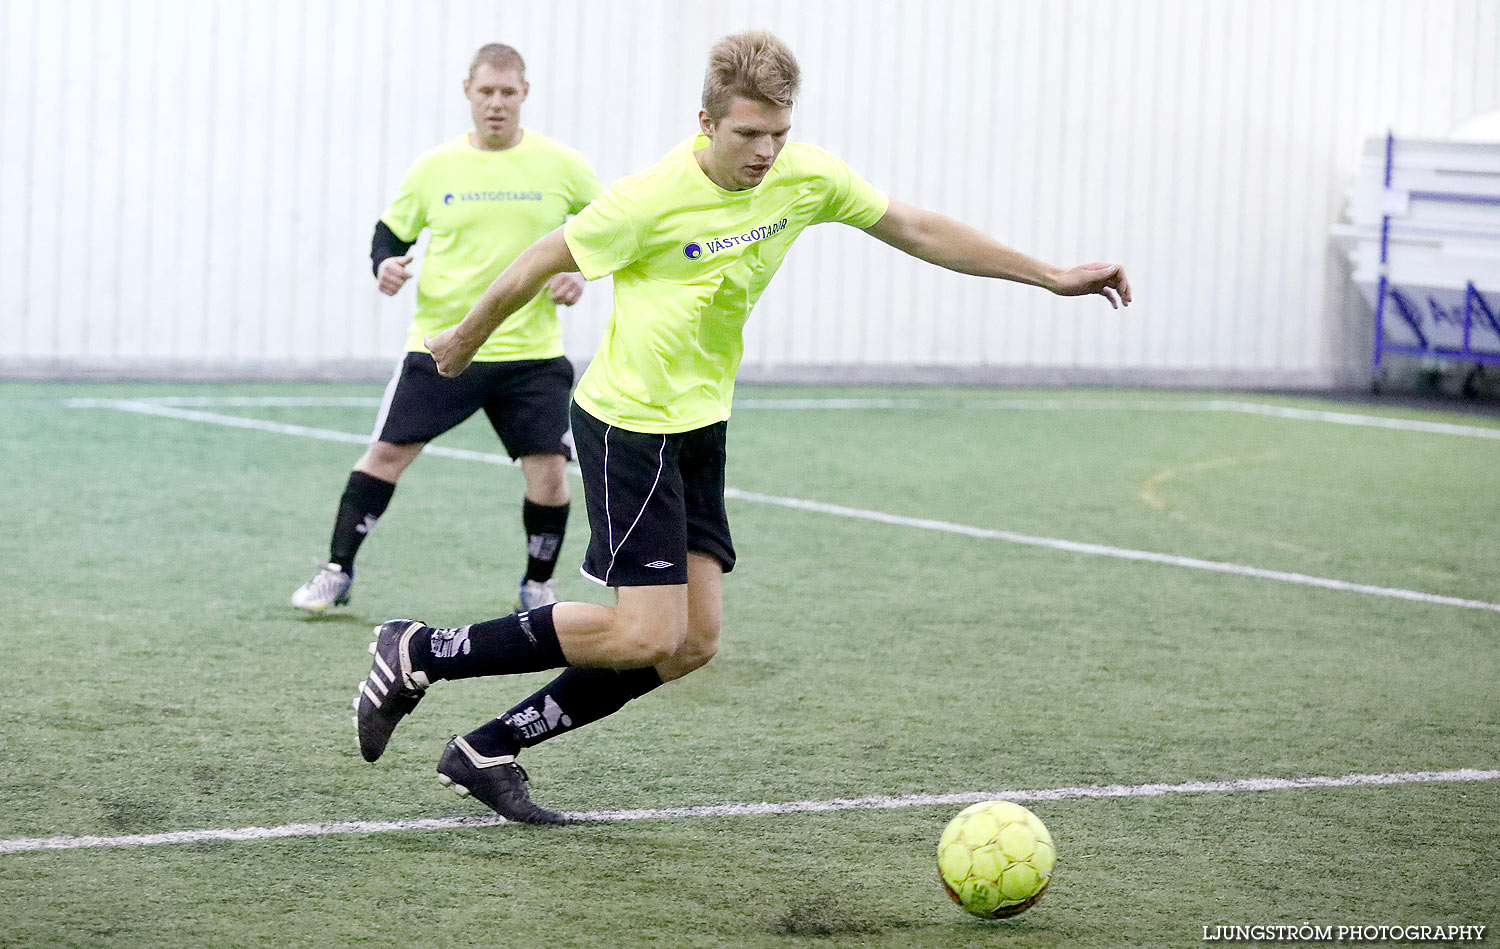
546, 479
388, 461
673, 628
705, 618
645, 627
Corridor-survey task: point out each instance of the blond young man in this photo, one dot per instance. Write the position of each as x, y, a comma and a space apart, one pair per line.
485, 196
692, 243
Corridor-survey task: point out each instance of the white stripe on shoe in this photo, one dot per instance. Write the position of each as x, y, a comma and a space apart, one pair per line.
384, 668
478, 760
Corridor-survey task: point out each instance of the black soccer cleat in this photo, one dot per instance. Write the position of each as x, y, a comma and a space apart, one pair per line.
392, 690
498, 782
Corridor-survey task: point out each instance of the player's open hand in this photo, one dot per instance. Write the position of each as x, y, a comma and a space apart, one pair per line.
393, 274
565, 288
450, 352
1107, 280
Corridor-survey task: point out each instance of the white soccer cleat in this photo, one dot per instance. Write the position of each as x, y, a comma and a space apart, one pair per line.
328, 589
535, 595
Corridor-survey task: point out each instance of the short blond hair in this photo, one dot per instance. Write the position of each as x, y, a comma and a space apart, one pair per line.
499, 57
751, 65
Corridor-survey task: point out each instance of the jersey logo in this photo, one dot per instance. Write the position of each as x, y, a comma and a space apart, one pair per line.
658, 565
493, 196
712, 245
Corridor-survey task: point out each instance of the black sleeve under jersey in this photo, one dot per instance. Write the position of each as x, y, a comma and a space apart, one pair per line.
385, 244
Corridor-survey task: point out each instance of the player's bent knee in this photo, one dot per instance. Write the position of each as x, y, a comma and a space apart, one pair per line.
646, 645
649, 624
693, 655
700, 646
704, 638
639, 653
696, 655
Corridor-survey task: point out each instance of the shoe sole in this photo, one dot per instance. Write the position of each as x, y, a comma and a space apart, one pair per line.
341, 601
462, 791
457, 788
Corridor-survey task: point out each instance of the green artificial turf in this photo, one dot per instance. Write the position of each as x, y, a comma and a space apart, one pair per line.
157, 679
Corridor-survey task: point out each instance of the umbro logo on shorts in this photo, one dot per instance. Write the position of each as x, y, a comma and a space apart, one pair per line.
658, 565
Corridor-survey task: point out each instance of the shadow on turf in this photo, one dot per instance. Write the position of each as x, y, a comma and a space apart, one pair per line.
826, 916
133, 814
335, 619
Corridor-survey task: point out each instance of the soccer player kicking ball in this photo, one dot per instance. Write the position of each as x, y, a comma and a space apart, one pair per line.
486, 196
692, 243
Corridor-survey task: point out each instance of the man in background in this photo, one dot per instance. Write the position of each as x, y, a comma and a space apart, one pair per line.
485, 196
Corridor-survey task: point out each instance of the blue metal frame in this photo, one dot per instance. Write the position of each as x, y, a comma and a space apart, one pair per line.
1407, 311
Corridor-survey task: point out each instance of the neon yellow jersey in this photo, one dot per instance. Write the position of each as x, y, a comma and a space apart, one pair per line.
689, 261
484, 208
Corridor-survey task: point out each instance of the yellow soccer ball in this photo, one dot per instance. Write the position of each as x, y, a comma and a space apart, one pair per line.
995, 859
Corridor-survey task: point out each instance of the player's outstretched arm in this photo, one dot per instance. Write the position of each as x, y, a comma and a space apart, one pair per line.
454, 348
955, 245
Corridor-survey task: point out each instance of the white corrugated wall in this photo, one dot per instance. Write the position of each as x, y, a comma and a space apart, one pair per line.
192, 184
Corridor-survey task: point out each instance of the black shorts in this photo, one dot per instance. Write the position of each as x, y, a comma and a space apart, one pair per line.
650, 500
526, 401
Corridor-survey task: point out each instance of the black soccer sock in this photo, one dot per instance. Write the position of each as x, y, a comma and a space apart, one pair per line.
520, 642
365, 499
570, 701
545, 526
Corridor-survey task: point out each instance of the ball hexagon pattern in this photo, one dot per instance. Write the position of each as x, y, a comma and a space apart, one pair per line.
995, 859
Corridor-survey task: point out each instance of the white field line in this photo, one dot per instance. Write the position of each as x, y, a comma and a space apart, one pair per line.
909, 404
766, 809
1101, 550
163, 410
838, 510
256, 401
1125, 405
1366, 421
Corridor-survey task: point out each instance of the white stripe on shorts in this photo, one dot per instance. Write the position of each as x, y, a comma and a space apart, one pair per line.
386, 399
660, 464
